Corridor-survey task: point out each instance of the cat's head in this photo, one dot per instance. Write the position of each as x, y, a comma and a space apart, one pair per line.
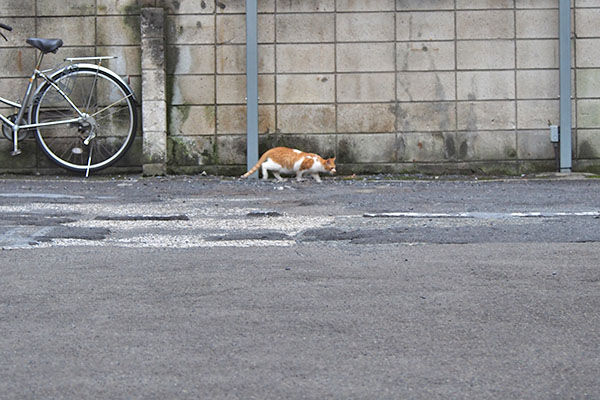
330, 165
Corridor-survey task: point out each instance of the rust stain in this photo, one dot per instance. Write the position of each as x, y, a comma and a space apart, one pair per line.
20, 60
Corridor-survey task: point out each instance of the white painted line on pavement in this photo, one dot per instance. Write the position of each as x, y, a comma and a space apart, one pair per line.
485, 215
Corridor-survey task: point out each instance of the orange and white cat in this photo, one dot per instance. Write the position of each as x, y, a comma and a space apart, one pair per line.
282, 160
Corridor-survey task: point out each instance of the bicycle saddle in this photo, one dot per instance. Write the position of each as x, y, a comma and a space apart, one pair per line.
45, 45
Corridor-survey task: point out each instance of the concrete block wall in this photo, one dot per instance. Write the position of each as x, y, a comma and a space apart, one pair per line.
385, 85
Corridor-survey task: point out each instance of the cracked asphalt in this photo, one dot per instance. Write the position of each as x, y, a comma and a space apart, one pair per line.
206, 287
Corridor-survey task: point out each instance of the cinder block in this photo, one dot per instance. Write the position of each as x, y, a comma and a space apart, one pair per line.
75, 31
232, 119
128, 61
540, 3
117, 30
188, 6
111, 7
231, 59
483, 146
189, 120
586, 22
488, 24
231, 29
425, 56
537, 24
368, 57
486, 115
22, 68
299, 28
539, 84
27, 160
403, 5
23, 28
537, 53
485, 85
366, 118
366, 148
192, 89
323, 145
426, 86
153, 85
534, 145
153, 54
538, 114
65, 7
17, 8
368, 87
312, 58
239, 7
231, 89
231, 149
12, 89
426, 117
361, 5
587, 113
425, 25
191, 150
305, 6
152, 23
588, 83
190, 59
421, 147
368, 27
308, 88
190, 29
154, 147
485, 54
154, 116
484, 4
588, 143
588, 53
306, 118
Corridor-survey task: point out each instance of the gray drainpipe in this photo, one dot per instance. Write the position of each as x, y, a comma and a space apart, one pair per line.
565, 85
251, 86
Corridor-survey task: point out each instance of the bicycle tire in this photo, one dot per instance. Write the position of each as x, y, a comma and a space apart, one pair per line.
110, 112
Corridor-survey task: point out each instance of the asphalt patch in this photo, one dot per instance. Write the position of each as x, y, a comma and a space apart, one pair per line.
143, 218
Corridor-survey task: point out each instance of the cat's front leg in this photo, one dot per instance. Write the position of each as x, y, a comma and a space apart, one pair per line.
299, 176
317, 177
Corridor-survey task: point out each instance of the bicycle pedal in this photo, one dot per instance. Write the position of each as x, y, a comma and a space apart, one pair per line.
15, 153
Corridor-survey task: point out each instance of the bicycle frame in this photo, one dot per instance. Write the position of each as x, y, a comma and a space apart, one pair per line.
16, 126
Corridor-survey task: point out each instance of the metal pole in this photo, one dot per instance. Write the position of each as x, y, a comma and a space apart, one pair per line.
565, 85
251, 85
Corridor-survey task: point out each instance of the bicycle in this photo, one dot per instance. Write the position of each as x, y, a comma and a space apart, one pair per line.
84, 115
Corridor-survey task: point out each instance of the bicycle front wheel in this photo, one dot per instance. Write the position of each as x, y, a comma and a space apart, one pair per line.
102, 112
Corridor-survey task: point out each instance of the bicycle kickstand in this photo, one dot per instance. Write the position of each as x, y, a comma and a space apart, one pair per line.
16, 151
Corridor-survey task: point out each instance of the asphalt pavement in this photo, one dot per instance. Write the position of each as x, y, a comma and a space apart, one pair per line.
373, 287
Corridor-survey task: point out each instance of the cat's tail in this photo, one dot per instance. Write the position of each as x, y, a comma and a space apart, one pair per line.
252, 170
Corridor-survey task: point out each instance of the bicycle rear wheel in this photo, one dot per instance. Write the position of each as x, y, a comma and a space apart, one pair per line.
104, 109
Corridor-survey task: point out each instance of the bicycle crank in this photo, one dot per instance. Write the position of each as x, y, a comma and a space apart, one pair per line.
7, 130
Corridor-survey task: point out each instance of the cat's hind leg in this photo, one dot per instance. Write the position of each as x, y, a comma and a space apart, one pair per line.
279, 178
265, 172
